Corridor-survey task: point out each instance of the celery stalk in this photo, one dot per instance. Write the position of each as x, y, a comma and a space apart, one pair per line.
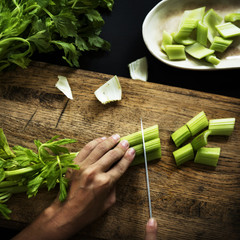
207, 156
198, 51
183, 154
136, 138
222, 126
181, 135
212, 59
175, 52
228, 30
220, 44
202, 33
150, 146
200, 140
197, 123
232, 17
167, 39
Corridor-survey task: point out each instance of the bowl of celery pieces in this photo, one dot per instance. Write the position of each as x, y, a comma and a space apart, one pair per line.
192, 34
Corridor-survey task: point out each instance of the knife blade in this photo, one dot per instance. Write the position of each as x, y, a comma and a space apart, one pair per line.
146, 171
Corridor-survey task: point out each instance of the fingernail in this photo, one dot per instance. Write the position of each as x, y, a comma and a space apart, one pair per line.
124, 143
131, 151
103, 138
152, 222
116, 137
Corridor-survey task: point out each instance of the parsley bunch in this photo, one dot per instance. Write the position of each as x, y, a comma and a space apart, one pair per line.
27, 26
23, 170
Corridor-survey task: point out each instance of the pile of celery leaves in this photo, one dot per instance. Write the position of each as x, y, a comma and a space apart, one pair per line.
71, 26
23, 170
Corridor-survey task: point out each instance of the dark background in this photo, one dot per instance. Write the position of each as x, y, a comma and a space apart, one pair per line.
123, 29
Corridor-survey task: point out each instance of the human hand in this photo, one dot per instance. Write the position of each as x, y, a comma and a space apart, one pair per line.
92, 190
151, 229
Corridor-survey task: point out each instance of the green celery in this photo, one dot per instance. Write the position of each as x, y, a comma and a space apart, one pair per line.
220, 44
167, 39
200, 140
183, 154
212, 59
198, 51
175, 52
181, 135
150, 146
197, 123
228, 30
232, 17
223, 126
207, 156
202, 33
136, 138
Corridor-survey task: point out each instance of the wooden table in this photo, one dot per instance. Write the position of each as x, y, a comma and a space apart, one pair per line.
189, 202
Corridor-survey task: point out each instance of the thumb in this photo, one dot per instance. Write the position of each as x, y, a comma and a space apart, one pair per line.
151, 229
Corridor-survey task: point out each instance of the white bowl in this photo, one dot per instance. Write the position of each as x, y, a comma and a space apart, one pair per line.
166, 15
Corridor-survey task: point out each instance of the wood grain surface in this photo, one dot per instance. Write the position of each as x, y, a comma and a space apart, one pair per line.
189, 202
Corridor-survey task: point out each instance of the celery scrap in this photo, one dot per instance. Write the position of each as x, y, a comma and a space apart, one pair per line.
198, 51
175, 52
181, 135
183, 154
222, 126
228, 30
220, 44
208, 156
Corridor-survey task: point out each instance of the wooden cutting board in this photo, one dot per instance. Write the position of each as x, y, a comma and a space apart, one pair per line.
189, 202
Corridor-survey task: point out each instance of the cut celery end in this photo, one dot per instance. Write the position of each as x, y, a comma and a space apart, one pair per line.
136, 138
197, 123
175, 52
207, 156
202, 33
181, 135
224, 126
183, 154
196, 13
200, 140
198, 51
220, 44
212, 59
232, 17
167, 39
156, 154
211, 19
149, 145
228, 30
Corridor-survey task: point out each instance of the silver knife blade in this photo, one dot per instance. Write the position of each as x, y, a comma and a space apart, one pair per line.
146, 169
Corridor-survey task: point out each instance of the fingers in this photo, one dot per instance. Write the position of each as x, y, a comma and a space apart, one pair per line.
151, 229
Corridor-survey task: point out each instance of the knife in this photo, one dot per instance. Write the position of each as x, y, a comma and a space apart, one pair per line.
146, 169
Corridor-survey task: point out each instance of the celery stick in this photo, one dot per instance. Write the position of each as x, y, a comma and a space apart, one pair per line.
181, 135
150, 146
167, 39
207, 156
212, 59
198, 51
232, 17
202, 33
220, 44
175, 52
197, 123
136, 138
183, 154
200, 140
196, 13
228, 30
156, 154
211, 19
224, 126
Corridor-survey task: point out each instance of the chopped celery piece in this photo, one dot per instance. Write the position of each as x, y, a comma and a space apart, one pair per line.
183, 154
228, 30
167, 39
220, 44
156, 154
198, 51
197, 123
139, 69
175, 52
202, 33
207, 156
63, 85
222, 126
181, 135
211, 19
196, 13
200, 140
212, 59
150, 146
232, 17
136, 138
